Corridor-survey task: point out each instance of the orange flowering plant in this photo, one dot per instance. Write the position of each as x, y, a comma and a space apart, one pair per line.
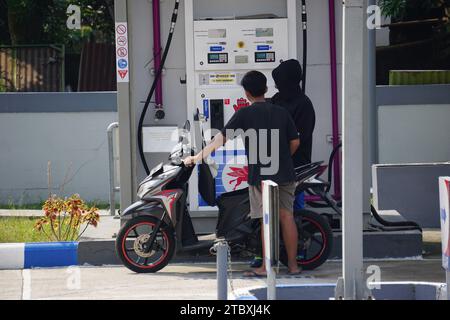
64, 218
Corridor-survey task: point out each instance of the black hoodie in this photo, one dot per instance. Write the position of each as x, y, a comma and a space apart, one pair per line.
287, 77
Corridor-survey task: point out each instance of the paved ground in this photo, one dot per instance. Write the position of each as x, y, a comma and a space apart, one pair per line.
184, 281
177, 281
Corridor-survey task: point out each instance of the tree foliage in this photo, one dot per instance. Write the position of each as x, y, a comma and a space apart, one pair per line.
413, 9
44, 22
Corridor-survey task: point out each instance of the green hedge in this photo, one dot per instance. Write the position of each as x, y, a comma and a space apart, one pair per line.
416, 77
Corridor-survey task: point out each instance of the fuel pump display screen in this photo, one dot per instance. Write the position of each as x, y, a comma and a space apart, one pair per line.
264, 57
217, 58
264, 32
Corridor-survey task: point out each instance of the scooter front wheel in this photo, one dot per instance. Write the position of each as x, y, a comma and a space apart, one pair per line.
132, 242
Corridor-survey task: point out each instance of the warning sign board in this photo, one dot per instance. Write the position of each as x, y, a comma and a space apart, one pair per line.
122, 63
121, 41
222, 78
122, 52
121, 28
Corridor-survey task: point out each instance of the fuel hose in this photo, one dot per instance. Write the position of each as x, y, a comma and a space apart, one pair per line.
153, 87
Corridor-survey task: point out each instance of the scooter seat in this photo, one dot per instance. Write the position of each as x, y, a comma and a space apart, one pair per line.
308, 170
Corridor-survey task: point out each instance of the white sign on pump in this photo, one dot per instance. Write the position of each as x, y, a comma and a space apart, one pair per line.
444, 197
160, 139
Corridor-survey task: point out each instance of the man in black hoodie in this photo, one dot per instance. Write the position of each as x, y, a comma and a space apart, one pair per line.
287, 77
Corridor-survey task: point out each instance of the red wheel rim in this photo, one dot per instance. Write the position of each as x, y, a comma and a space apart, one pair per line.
152, 265
322, 232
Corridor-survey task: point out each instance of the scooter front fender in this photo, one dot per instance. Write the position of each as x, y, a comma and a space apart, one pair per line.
133, 208
145, 208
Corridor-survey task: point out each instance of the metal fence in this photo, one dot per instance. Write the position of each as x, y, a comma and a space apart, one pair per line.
35, 68
97, 67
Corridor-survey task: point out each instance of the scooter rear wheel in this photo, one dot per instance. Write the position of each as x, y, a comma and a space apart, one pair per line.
131, 245
315, 240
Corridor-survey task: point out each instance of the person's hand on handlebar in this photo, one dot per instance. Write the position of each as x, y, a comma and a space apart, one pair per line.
191, 160
218, 141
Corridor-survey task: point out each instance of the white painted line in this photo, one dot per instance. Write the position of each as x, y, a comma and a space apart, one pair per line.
12, 255
26, 284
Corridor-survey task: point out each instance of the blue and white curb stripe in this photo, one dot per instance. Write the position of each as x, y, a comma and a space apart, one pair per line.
39, 254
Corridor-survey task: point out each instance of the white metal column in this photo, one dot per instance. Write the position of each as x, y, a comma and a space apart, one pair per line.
126, 120
189, 33
292, 23
354, 103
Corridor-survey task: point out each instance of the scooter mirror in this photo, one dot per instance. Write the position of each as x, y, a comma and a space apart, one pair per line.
184, 133
187, 126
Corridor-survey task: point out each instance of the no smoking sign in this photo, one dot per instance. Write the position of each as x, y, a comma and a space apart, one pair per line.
122, 52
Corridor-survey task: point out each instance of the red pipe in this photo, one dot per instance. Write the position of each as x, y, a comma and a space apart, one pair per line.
157, 51
334, 97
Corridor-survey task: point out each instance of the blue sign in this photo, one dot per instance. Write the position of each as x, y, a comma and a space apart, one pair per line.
266, 218
122, 63
206, 108
216, 48
263, 48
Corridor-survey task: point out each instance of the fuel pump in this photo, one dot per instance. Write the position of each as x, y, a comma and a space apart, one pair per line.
219, 51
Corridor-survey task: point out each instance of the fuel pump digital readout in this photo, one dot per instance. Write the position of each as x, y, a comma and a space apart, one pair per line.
264, 57
217, 58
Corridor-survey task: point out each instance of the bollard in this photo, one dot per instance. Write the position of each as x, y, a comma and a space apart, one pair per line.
222, 267
271, 225
112, 187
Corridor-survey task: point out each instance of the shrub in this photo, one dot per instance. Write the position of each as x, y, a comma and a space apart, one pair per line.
64, 218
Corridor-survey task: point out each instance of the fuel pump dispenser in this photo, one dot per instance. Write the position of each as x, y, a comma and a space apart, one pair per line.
219, 51
220, 47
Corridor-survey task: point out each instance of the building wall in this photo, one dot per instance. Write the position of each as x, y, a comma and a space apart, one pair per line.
412, 124
48, 127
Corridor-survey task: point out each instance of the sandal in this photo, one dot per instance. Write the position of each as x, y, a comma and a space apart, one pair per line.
253, 274
296, 273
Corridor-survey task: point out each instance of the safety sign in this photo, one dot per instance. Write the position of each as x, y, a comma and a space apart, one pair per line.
121, 28
121, 40
122, 52
222, 78
122, 62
